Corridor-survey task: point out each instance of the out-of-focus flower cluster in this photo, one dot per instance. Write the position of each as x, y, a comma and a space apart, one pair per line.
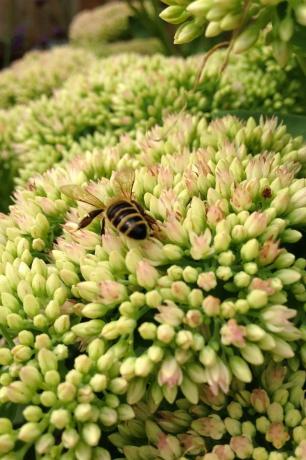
128, 93
247, 18
145, 45
104, 24
176, 346
40, 73
252, 423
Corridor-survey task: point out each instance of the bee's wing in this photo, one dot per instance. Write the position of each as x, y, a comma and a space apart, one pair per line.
79, 194
124, 181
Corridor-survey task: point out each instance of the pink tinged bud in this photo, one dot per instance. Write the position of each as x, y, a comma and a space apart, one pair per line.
147, 275
112, 293
263, 285
175, 232
218, 377
168, 446
211, 306
201, 245
241, 199
216, 401
277, 435
207, 281
300, 451
211, 427
268, 252
242, 446
214, 215
165, 333
224, 452
256, 224
170, 373
233, 334
260, 400
277, 320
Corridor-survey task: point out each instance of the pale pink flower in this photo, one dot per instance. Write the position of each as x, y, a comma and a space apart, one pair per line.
73, 251
242, 446
211, 305
241, 198
214, 214
211, 426
147, 275
233, 334
263, 285
277, 435
260, 400
170, 373
201, 245
268, 252
207, 281
218, 377
224, 452
169, 314
215, 400
277, 320
112, 292
175, 231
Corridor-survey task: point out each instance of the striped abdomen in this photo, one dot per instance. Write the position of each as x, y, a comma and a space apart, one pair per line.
126, 218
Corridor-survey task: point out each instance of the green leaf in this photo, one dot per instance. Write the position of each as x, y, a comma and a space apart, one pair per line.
296, 124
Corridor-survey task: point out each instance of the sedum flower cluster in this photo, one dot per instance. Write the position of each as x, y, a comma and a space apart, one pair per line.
128, 93
246, 18
145, 45
40, 73
187, 345
106, 30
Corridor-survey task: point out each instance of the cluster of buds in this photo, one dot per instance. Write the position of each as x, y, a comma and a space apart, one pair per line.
147, 46
214, 17
94, 109
100, 25
94, 327
264, 423
40, 73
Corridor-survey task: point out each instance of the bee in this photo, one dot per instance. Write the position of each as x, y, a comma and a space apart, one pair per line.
123, 212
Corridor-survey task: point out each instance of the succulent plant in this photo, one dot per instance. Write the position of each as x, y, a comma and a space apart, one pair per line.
40, 73
284, 20
126, 94
265, 422
94, 328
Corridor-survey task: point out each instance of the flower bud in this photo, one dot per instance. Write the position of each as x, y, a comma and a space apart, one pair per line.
70, 438
29, 432
240, 369
257, 298
91, 434
187, 32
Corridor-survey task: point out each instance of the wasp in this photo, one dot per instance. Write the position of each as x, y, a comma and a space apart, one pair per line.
123, 212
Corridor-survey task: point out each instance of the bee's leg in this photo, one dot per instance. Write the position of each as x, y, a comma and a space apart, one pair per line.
89, 218
102, 231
